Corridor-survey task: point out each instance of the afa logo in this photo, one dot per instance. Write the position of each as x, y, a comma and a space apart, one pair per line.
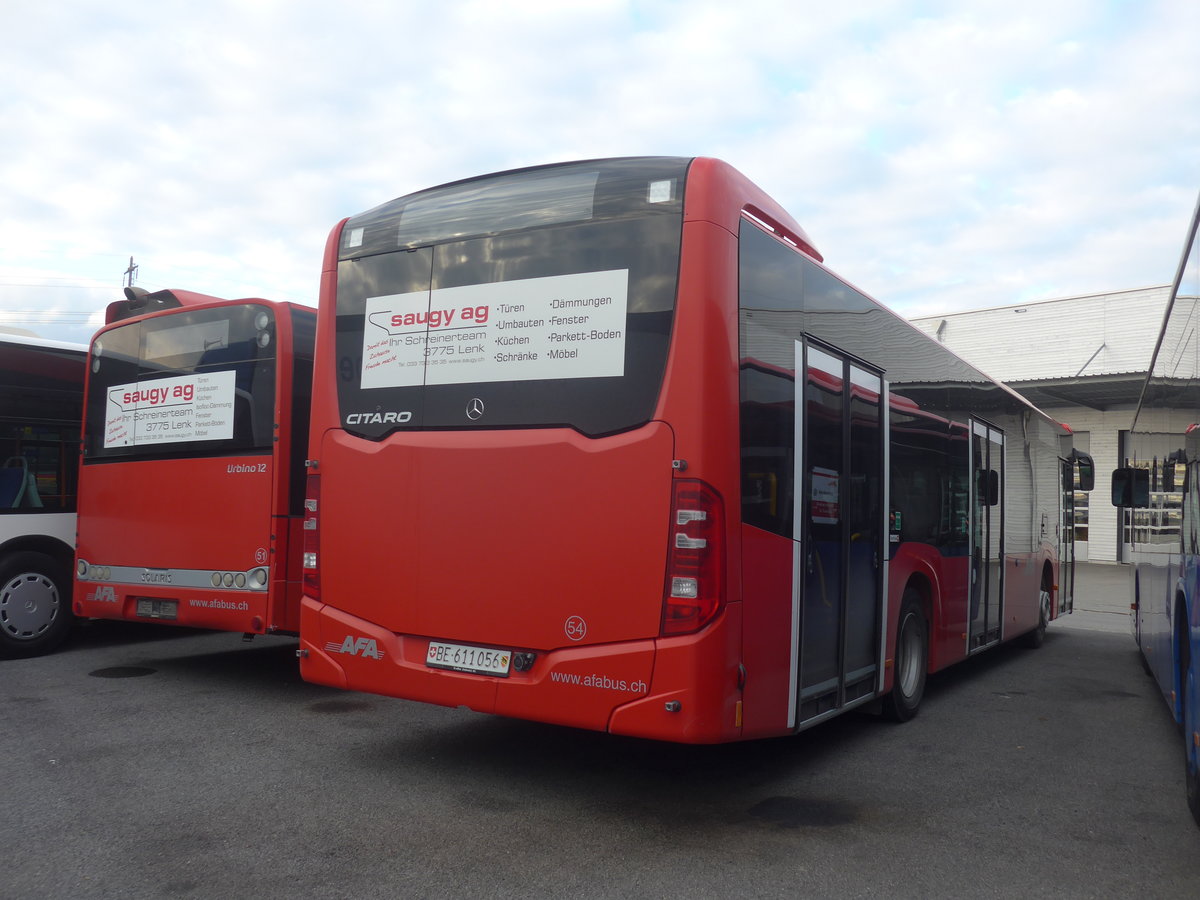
105, 593
364, 647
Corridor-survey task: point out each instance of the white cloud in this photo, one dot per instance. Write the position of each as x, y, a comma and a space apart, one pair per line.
941, 154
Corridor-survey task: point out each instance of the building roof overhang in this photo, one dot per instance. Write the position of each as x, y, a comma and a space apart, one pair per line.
1099, 392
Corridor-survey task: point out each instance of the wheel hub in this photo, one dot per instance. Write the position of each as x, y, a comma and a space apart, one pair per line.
28, 605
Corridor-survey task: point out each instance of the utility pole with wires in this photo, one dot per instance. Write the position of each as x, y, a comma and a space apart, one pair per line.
130, 273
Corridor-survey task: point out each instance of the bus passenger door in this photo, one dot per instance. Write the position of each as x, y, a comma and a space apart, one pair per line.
839, 518
1066, 540
987, 534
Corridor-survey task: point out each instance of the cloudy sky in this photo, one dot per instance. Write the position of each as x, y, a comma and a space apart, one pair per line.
942, 155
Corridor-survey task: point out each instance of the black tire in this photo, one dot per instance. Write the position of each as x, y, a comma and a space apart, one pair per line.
912, 660
1037, 637
1192, 780
35, 605
1191, 776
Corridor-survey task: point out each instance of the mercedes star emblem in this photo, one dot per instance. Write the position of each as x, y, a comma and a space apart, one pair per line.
474, 409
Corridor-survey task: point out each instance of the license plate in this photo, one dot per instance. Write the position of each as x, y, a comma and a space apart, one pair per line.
157, 609
464, 658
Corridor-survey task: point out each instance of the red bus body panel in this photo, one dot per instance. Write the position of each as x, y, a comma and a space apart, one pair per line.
478, 558
185, 514
218, 514
767, 615
476, 555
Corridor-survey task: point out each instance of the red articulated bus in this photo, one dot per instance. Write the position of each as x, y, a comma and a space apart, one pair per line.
604, 444
191, 484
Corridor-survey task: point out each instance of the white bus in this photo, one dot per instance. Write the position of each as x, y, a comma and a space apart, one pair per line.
41, 399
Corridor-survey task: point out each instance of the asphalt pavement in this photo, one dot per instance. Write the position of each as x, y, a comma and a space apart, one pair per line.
155, 762
1102, 595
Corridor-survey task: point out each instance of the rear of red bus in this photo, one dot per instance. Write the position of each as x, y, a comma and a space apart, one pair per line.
524, 452
191, 486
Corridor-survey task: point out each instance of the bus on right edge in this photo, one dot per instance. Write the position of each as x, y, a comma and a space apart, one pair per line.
1158, 489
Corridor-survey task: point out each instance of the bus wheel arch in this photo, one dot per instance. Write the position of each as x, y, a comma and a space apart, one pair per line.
903, 701
62, 554
35, 603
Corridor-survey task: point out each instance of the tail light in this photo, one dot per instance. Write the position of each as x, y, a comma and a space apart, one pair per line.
312, 538
695, 588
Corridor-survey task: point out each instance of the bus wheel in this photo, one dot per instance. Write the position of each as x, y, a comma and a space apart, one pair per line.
912, 660
1037, 637
35, 611
1192, 776
1187, 689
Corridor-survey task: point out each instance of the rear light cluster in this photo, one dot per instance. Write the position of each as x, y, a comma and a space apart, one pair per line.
255, 579
695, 589
312, 535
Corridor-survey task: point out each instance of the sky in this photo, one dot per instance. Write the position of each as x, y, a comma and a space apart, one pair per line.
942, 156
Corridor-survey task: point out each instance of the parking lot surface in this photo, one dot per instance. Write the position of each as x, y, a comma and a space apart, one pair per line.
147, 761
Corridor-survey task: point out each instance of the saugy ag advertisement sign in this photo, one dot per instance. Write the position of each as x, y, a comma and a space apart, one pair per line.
563, 326
187, 408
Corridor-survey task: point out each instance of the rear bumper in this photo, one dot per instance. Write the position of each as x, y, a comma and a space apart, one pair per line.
677, 689
236, 611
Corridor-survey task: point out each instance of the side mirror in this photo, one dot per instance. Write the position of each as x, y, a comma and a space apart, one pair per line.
987, 487
1083, 462
1087, 471
1131, 488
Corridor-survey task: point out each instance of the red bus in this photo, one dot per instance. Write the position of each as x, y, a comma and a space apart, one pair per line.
191, 484
605, 444
41, 401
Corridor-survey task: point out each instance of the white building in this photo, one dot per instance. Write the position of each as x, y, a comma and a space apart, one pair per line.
1083, 360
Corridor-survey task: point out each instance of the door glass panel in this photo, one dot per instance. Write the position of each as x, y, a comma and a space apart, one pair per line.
987, 529
864, 501
840, 532
995, 534
979, 521
1066, 553
824, 406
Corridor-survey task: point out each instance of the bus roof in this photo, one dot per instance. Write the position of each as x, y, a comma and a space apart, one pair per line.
33, 341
